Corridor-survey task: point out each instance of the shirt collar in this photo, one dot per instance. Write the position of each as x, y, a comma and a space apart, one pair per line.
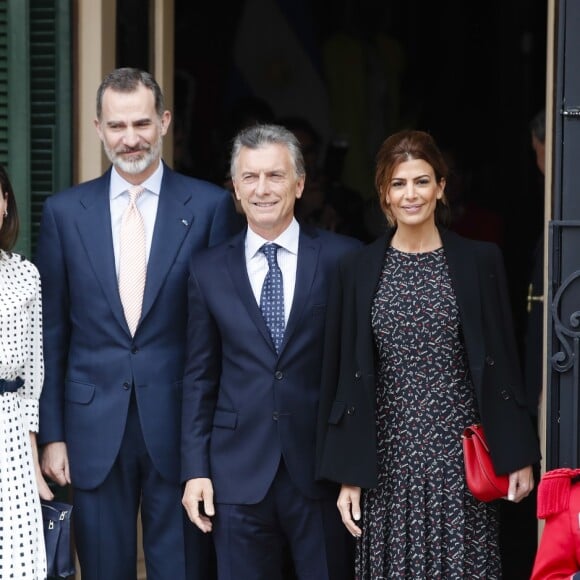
119, 185
288, 239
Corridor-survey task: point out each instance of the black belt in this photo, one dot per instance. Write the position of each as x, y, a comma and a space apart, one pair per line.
10, 386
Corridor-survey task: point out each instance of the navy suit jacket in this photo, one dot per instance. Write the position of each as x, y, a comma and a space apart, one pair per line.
91, 359
245, 406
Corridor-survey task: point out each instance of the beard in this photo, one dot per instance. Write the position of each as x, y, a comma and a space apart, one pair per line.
149, 155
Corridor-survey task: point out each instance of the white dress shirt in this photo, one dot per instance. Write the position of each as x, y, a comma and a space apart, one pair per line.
147, 204
257, 264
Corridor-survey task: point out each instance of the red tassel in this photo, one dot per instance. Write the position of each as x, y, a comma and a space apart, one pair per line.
554, 491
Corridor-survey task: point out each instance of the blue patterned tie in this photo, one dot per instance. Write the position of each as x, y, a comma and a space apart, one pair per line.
272, 297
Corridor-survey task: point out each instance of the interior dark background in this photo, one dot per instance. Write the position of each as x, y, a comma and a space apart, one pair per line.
470, 73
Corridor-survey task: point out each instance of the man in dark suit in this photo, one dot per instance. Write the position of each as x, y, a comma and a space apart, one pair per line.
251, 385
111, 403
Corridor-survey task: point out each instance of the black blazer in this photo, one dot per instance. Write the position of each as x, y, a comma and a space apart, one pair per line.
346, 437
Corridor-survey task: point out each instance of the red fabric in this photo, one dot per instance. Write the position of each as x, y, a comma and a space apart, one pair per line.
554, 491
558, 555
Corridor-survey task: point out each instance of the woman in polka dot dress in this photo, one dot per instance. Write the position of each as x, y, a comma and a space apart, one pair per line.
424, 347
22, 554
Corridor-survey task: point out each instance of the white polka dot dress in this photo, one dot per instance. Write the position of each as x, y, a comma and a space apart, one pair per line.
22, 554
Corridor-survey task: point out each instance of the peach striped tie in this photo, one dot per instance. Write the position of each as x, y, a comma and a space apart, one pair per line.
132, 261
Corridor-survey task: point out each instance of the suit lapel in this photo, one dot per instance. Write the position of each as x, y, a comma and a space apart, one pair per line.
463, 269
172, 223
368, 270
236, 264
308, 253
94, 227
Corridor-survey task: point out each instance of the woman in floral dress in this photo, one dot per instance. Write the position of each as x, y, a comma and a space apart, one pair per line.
424, 347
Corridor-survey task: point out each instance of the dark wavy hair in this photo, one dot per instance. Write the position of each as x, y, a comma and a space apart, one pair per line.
11, 224
405, 146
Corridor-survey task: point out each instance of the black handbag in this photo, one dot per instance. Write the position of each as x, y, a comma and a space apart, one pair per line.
56, 518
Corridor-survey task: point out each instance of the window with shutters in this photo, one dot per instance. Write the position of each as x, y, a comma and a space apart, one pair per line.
3, 84
50, 104
35, 105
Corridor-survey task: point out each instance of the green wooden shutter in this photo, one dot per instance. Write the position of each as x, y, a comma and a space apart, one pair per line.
50, 104
3, 84
35, 105
15, 110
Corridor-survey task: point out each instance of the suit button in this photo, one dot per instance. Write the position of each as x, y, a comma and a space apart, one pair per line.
350, 411
357, 375
279, 375
134, 350
505, 395
275, 415
126, 386
489, 360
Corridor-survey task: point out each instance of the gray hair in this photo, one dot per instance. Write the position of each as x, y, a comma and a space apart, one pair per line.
127, 80
258, 136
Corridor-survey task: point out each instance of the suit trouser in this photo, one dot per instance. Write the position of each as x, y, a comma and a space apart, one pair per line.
105, 520
250, 540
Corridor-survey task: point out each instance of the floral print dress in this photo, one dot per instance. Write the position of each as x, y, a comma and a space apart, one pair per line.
421, 522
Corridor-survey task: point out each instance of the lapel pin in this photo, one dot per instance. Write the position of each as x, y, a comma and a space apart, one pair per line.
185, 222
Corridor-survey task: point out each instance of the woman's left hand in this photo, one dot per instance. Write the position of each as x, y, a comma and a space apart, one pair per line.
43, 489
521, 484
348, 505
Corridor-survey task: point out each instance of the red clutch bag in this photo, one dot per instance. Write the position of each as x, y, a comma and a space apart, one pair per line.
482, 480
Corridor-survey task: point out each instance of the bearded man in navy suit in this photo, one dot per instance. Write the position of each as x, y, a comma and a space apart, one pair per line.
250, 392
111, 404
